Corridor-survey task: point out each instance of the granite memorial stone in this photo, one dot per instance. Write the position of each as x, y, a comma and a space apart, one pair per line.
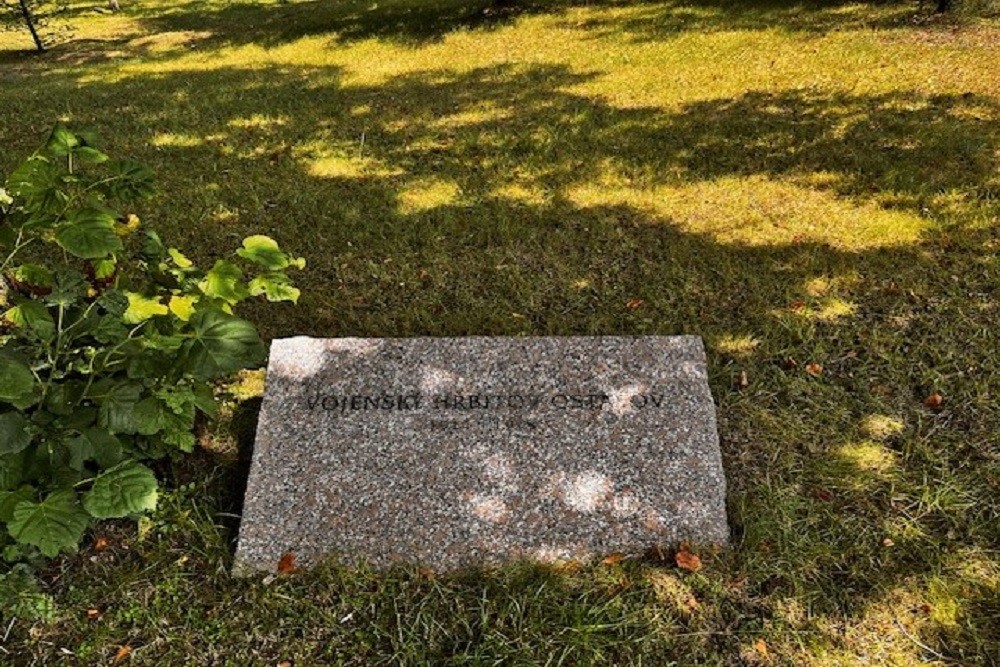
447, 452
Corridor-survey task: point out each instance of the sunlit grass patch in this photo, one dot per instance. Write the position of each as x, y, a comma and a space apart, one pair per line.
427, 194
176, 140
759, 211
869, 456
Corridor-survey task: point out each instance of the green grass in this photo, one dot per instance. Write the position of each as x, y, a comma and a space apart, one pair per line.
817, 183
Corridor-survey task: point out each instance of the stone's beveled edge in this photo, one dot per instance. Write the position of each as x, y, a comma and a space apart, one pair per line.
308, 355
297, 355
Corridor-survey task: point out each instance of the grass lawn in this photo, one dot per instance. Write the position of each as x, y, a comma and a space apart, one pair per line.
813, 188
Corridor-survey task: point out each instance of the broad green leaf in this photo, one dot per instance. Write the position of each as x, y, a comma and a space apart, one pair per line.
152, 363
179, 259
131, 181
276, 286
182, 440
89, 155
149, 415
89, 233
37, 182
182, 306
70, 287
263, 250
33, 316
34, 275
94, 444
110, 329
141, 308
114, 302
11, 470
17, 382
204, 399
63, 397
153, 249
81, 418
8, 237
14, 433
104, 268
61, 142
127, 489
224, 282
10, 499
117, 404
221, 343
53, 525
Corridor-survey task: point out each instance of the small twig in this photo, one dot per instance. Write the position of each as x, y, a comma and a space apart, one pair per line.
918, 642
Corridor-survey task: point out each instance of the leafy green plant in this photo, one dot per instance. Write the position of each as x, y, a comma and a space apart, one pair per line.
110, 343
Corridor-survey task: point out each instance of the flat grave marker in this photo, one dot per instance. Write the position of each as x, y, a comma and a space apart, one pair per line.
446, 452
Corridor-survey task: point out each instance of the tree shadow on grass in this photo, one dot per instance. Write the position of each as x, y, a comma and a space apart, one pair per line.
415, 22
659, 21
498, 202
404, 21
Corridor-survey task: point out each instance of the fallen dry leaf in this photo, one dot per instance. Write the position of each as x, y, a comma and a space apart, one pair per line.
822, 494
797, 305
93, 614
101, 543
761, 647
687, 560
613, 559
934, 400
287, 563
123, 652
426, 572
635, 303
887, 542
814, 369
286, 663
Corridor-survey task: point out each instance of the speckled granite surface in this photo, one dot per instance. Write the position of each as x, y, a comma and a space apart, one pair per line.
453, 451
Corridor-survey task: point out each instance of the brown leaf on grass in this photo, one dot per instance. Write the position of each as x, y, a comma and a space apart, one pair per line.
934, 400
814, 369
122, 653
286, 565
822, 495
101, 543
426, 572
686, 560
635, 303
613, 559
286, 663
93, 614
761, 647
797, 305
